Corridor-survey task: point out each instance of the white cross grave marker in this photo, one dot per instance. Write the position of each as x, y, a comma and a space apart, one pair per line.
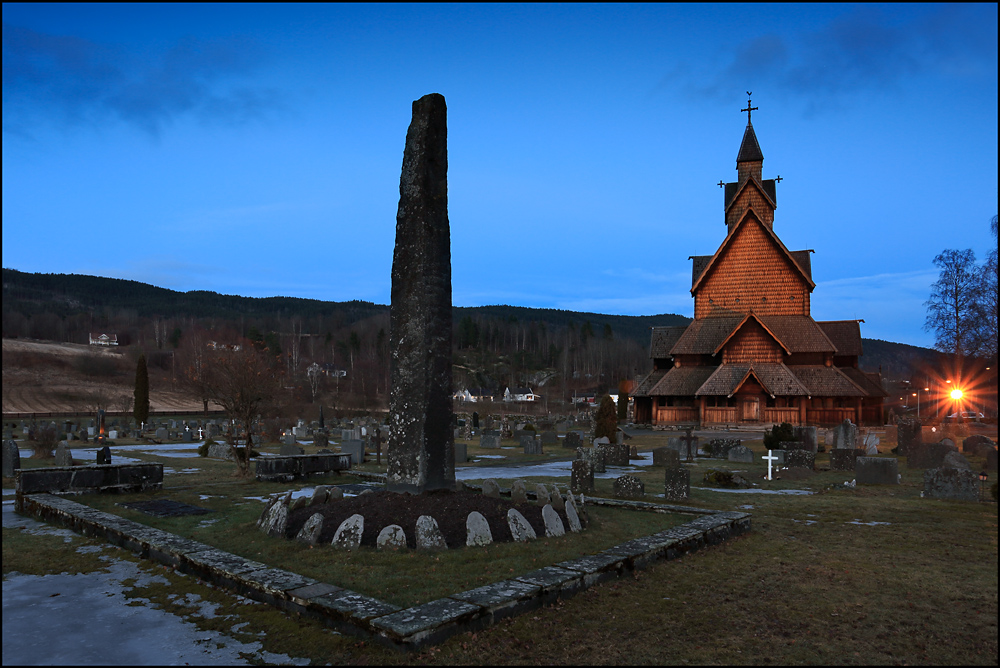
200, 432
770, 459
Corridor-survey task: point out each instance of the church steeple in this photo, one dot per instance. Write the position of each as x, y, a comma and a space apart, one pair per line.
750, 160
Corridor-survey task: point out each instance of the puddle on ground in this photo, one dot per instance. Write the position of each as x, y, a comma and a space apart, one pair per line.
756, 491
561, 469
868, 524
806, 522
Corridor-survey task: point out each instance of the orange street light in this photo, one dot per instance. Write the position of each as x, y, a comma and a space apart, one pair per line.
956, 394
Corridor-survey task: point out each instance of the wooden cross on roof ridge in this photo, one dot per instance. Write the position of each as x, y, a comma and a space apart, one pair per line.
749, 109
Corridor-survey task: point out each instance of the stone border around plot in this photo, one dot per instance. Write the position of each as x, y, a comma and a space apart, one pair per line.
407, 629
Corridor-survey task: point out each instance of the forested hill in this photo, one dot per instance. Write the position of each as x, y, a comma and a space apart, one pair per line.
66, 307
66, 295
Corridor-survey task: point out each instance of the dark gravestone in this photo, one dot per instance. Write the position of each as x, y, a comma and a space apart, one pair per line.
629, 487
671, 459
63, 455
950, 483
741, 454
531, 445
615, 454
908, 433
461, 453
928, 455
104, 455
676, 484
582, 477
720, 447
800, 459
975, 444
421, 452
572, 440
843, 460
11, 458
549, 438
876, 471
356, 449
807, 437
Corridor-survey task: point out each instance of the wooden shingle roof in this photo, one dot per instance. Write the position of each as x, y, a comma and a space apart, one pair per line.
750, 215
662, 339
826, 381
749, 147
682, 381
870, 383
703, 337
845, 335
647, 383
776, 379
798, 333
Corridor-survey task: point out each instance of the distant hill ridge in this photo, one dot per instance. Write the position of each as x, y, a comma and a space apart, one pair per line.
69, 294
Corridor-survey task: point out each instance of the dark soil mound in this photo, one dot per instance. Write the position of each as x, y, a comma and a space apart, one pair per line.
449, 509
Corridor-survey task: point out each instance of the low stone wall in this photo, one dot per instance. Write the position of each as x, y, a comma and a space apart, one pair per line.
291, 467
426, 624
89, 479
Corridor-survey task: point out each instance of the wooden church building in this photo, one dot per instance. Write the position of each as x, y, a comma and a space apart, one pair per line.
753, 354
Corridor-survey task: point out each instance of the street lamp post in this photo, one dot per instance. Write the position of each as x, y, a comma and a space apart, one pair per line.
917, 395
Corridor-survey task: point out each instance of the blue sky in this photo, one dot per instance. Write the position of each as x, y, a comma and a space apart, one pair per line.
256, 149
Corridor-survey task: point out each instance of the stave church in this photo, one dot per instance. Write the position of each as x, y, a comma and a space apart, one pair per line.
753, 353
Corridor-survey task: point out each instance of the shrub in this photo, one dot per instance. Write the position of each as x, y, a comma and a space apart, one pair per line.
530, 427
43, 446
778, 433
203, 448
606, 420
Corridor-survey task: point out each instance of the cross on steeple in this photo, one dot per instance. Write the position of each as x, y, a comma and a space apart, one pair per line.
720, 183
779, 179
749, 109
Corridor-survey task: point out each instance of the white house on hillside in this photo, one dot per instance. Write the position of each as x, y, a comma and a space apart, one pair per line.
519, 394
104, 340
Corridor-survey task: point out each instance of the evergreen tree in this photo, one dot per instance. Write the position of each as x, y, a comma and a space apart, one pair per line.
141, 408
606, 421
622, 405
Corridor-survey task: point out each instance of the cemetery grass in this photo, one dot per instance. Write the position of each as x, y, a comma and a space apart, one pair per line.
403, 577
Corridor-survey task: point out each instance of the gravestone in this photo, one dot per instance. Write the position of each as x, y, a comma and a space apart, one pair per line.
309, 533
666, 457
556, 499
553, 523
976, 444
928, 455
573, 440
720, 447
954, 460
843, 460
520, 530
104, 455
356, 449
220, 451
161, 434
291, 450
288, 439
428, 534
951, 483
594, 456
741, 454
846, 435
348, 534
800, 458
11, 458
629, 487
582, 477
113, 434
489, 441
531, 445
808, 437
491, 488
421, 453
461, 453
549, 438
541, 495
615, 454
63, 455
876, 471
477, 530
676, 483
908, 433
391, 537
603, 440
518, 492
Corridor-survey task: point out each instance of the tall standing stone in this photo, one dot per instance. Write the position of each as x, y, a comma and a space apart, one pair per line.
421, 453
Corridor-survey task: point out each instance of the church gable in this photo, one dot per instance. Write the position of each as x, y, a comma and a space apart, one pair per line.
751, 271
752, 343
751, 196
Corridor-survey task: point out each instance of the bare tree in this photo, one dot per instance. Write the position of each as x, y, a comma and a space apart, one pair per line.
244, 382
986, 312
952, 308
123, 402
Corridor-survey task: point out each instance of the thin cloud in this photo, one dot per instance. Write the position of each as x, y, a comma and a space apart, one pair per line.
74, 81
868, 49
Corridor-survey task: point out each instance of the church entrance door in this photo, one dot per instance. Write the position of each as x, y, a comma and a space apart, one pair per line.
751, 409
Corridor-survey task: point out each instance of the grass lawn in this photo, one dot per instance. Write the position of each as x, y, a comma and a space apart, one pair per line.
842, 576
